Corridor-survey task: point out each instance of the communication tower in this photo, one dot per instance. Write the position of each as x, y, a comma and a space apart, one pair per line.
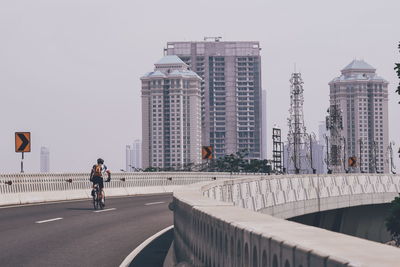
334, 124
297, 136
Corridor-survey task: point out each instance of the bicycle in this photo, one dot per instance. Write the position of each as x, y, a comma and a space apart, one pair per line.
97, 201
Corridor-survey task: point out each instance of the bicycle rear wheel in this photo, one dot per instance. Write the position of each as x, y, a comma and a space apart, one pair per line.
95, 202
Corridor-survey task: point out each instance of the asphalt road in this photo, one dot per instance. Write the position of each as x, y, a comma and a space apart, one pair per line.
36, 236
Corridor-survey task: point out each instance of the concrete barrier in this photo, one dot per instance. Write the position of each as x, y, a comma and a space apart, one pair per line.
212, 232
35, 188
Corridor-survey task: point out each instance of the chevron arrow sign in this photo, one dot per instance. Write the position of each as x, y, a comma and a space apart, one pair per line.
22, 142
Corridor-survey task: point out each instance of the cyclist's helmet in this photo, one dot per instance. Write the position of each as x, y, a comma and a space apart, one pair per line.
100, 161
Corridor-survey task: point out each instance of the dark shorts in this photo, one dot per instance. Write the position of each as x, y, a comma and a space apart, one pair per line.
98, 180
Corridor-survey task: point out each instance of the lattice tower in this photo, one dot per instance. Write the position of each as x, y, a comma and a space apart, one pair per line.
297, 137
334, 123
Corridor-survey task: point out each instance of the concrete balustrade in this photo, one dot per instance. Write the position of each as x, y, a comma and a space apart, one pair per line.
290, 196
216, 224
34, 188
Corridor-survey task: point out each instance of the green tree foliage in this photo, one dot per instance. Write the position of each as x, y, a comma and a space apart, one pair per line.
393, 221
397, 68
232, 163
238, 163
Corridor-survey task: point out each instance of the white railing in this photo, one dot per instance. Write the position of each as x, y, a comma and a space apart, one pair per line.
290, 196
210, 232
33, 188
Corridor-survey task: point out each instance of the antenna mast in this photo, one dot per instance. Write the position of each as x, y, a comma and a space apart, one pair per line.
297, 136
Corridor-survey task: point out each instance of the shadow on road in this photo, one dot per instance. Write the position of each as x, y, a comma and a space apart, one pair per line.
154, 254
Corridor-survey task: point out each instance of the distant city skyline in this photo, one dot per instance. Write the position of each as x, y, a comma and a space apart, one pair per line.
70, 70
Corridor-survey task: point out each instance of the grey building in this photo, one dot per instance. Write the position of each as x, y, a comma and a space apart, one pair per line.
171, 115
133, 156
136, 154
44, 159
362, 96
322, 133
231, 93
264, 128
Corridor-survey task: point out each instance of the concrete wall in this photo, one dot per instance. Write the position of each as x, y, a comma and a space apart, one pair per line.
366, 222
209, 232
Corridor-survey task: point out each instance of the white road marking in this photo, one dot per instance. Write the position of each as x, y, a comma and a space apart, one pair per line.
154, 203
49, 220
104, 210
127, 261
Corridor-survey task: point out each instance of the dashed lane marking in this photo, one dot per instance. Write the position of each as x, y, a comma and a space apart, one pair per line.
49, 220
104, 210
154, 203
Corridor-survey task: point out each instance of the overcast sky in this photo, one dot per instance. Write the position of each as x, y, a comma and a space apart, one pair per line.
70, 69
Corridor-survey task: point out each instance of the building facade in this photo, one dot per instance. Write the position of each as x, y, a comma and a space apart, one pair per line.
136, 154
362, 96
171, 115
133, 156
44, 159
231, 93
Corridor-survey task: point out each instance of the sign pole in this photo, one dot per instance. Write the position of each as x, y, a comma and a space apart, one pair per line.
22, 144
22, 163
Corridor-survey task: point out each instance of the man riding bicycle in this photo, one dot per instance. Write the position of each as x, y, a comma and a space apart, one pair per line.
96, 177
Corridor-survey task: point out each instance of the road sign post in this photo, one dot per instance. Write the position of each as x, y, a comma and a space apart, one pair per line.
22, 145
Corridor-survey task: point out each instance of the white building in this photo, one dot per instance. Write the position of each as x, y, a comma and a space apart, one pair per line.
136, 154
133, 156
171, 115
363, 99
44, 159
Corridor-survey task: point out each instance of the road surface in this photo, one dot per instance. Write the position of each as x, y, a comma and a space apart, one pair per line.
72, 234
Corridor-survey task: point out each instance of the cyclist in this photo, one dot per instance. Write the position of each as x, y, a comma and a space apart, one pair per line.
96, 177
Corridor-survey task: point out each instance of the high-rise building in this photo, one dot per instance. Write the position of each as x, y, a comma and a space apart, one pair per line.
134, 156
264, 128
362, 97
322, 133
231, 93
128, 161
171, 115
44, 159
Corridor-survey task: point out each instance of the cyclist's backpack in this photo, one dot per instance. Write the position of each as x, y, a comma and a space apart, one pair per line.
97, 170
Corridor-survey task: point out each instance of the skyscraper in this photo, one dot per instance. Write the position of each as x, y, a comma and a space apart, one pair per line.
136, 154
133, 156
171, 115
362, 97
231, 93
128, 161
44, 159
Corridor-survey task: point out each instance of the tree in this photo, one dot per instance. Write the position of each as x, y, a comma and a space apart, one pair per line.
397, 68
393, 221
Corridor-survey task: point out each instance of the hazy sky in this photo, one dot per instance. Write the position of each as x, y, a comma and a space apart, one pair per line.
70, 69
